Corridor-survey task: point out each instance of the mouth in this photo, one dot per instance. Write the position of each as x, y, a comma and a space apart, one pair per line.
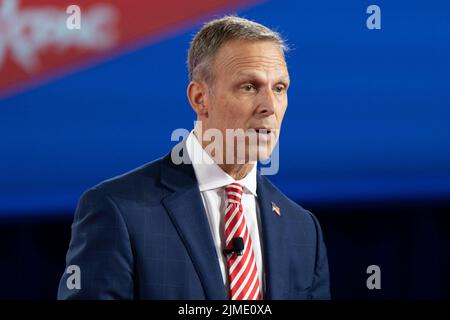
264, 130
263, 135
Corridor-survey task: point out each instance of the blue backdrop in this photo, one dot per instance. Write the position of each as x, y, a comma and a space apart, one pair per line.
368, 115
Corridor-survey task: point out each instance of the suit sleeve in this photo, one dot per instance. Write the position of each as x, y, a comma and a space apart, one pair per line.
320, 289
100, 250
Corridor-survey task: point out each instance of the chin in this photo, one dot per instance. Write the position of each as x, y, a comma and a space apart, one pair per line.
264, 153
256, 153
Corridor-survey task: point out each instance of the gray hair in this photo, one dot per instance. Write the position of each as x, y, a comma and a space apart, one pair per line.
215, 33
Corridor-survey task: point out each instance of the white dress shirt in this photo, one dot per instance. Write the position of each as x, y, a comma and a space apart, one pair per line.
211, 182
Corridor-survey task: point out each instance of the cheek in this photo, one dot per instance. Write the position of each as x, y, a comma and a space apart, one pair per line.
230, 112
280, 113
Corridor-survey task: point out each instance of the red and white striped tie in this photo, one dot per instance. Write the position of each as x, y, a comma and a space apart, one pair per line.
242, 270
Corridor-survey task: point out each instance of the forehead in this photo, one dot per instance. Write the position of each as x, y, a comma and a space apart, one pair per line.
236, 57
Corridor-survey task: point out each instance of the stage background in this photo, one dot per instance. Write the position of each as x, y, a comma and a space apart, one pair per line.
365, 143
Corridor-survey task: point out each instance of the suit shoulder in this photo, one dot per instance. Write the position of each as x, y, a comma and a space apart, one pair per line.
142, 181
298, 216
294, 207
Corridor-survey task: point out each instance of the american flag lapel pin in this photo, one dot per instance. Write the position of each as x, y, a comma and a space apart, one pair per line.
276, 209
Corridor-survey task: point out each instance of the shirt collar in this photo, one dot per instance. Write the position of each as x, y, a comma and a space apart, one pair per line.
209, 175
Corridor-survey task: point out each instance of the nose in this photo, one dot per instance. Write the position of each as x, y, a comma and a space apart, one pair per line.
266, 103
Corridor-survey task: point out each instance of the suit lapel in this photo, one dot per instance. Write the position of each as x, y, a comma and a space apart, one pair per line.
274, 243
186, 210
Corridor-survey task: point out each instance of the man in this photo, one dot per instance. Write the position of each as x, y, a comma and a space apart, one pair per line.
208, 228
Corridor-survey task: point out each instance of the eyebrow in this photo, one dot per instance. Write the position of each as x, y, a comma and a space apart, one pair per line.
252, 74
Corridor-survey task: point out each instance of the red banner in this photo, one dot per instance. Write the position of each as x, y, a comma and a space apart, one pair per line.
39, 38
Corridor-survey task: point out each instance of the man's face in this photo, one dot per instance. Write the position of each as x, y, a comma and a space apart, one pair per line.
249, 92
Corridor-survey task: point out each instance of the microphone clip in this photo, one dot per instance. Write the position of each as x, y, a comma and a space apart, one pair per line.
237, 247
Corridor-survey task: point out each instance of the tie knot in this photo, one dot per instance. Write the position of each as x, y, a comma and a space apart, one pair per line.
234, 192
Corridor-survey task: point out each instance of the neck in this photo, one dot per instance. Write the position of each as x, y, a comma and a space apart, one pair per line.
236, 171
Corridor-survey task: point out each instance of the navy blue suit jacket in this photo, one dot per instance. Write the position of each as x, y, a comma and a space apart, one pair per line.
145, 235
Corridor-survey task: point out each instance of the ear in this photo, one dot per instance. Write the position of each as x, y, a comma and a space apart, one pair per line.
197, 93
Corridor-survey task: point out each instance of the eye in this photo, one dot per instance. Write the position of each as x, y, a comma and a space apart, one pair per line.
248, 87
280, 88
